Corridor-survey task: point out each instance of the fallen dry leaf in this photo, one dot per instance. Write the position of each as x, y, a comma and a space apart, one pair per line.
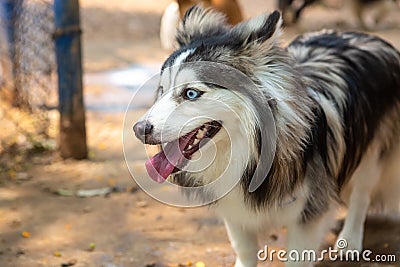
102, 146
12, 174
111, 182
92, 246
26, 234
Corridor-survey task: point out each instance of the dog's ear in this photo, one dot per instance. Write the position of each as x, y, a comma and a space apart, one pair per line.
199, 23
261, 30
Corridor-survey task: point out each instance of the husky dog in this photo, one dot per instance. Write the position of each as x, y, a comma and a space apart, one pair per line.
335, 101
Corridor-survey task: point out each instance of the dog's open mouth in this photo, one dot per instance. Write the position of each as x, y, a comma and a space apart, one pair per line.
175, 153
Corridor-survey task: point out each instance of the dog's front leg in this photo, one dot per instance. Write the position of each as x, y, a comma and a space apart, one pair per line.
304, 239
301, 238
244, 242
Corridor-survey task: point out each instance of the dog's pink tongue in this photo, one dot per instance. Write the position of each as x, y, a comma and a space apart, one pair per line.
163, 164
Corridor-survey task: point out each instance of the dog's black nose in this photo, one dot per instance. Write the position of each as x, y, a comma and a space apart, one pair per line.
142, 129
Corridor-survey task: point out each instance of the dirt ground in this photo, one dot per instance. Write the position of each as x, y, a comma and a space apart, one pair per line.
43, 224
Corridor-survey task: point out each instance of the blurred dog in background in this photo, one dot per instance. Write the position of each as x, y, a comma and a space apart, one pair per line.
175, 11
291, 13
230, 8
292, 9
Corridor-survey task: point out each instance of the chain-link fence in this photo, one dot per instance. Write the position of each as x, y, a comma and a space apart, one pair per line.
29, 77
34, 54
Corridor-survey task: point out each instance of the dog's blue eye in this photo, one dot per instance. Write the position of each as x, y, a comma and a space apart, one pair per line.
191, 94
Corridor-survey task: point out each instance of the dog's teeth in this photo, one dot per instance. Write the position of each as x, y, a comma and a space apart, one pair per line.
200, 134
189, 147
196, 141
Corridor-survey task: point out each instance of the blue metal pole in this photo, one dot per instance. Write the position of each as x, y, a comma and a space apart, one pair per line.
9, 15
69, 67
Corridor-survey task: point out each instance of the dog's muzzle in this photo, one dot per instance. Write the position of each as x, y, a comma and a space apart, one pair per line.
143, 131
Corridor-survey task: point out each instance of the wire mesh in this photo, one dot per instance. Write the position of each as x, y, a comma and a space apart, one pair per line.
34, 57
30, 74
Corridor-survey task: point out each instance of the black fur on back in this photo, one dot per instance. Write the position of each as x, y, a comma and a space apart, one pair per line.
370, 68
